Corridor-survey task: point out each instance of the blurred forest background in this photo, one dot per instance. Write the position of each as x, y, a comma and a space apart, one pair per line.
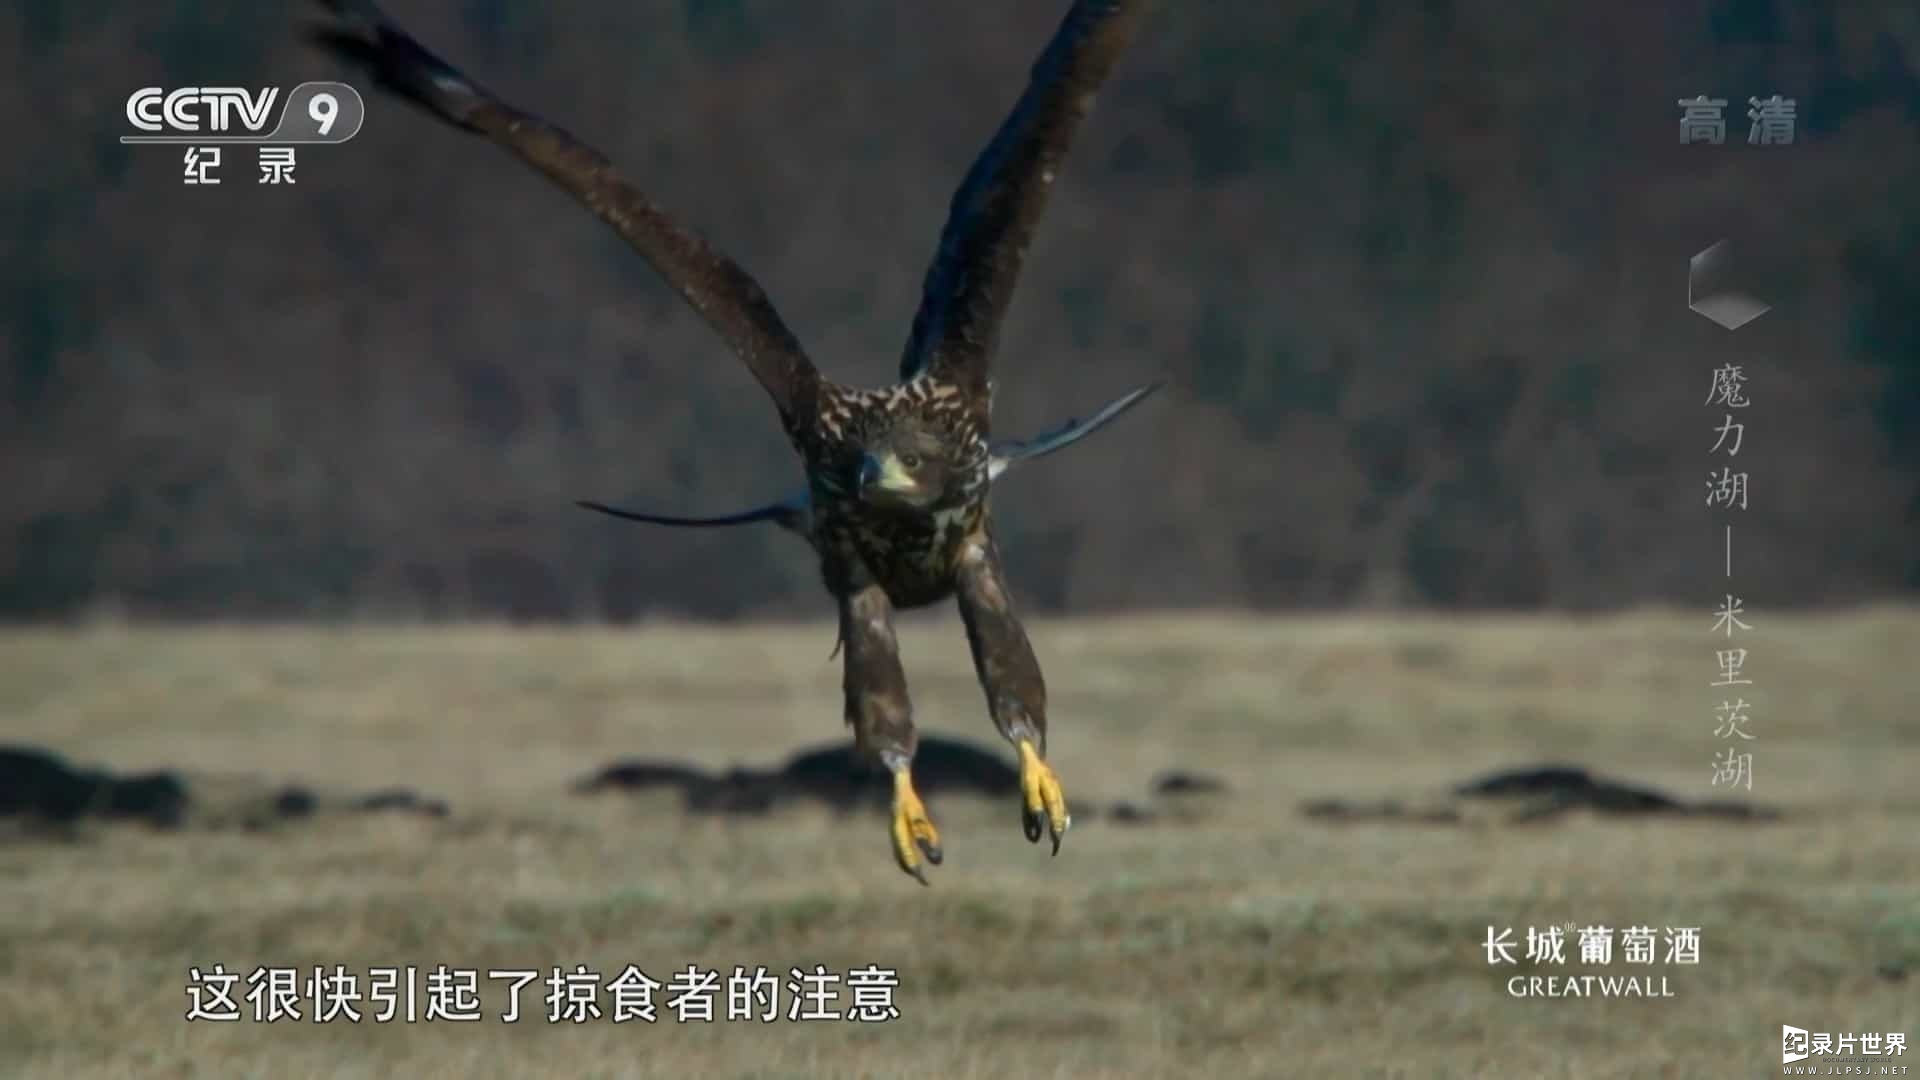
1416, 273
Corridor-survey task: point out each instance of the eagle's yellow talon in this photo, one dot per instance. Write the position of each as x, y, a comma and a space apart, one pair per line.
913, 831
1041, 797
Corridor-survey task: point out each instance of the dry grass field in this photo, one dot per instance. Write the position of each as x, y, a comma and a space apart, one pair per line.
1239, 938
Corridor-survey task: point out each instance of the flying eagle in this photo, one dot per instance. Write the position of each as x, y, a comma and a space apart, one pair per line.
897, 478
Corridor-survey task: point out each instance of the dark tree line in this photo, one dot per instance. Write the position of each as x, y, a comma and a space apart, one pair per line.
1416, 273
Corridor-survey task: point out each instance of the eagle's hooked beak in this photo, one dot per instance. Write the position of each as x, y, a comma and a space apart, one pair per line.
885, 475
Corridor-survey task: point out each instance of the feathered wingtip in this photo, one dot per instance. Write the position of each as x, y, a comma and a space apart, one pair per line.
364, 37
1007, 454
789, 514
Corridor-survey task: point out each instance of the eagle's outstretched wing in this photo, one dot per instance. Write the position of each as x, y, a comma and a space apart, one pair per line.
991, 220
713, 284
792, 512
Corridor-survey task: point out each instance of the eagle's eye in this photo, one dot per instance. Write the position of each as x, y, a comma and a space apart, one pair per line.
910, 460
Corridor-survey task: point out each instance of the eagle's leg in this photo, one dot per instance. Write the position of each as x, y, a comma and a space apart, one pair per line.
1010, 677
881, 714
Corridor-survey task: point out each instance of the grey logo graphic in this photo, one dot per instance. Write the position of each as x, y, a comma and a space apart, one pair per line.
1714, 289
314, 112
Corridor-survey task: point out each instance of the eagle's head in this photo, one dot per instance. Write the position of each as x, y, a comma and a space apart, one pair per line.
907, 465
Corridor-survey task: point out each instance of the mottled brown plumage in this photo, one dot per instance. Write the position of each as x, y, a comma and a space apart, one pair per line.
898, 477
